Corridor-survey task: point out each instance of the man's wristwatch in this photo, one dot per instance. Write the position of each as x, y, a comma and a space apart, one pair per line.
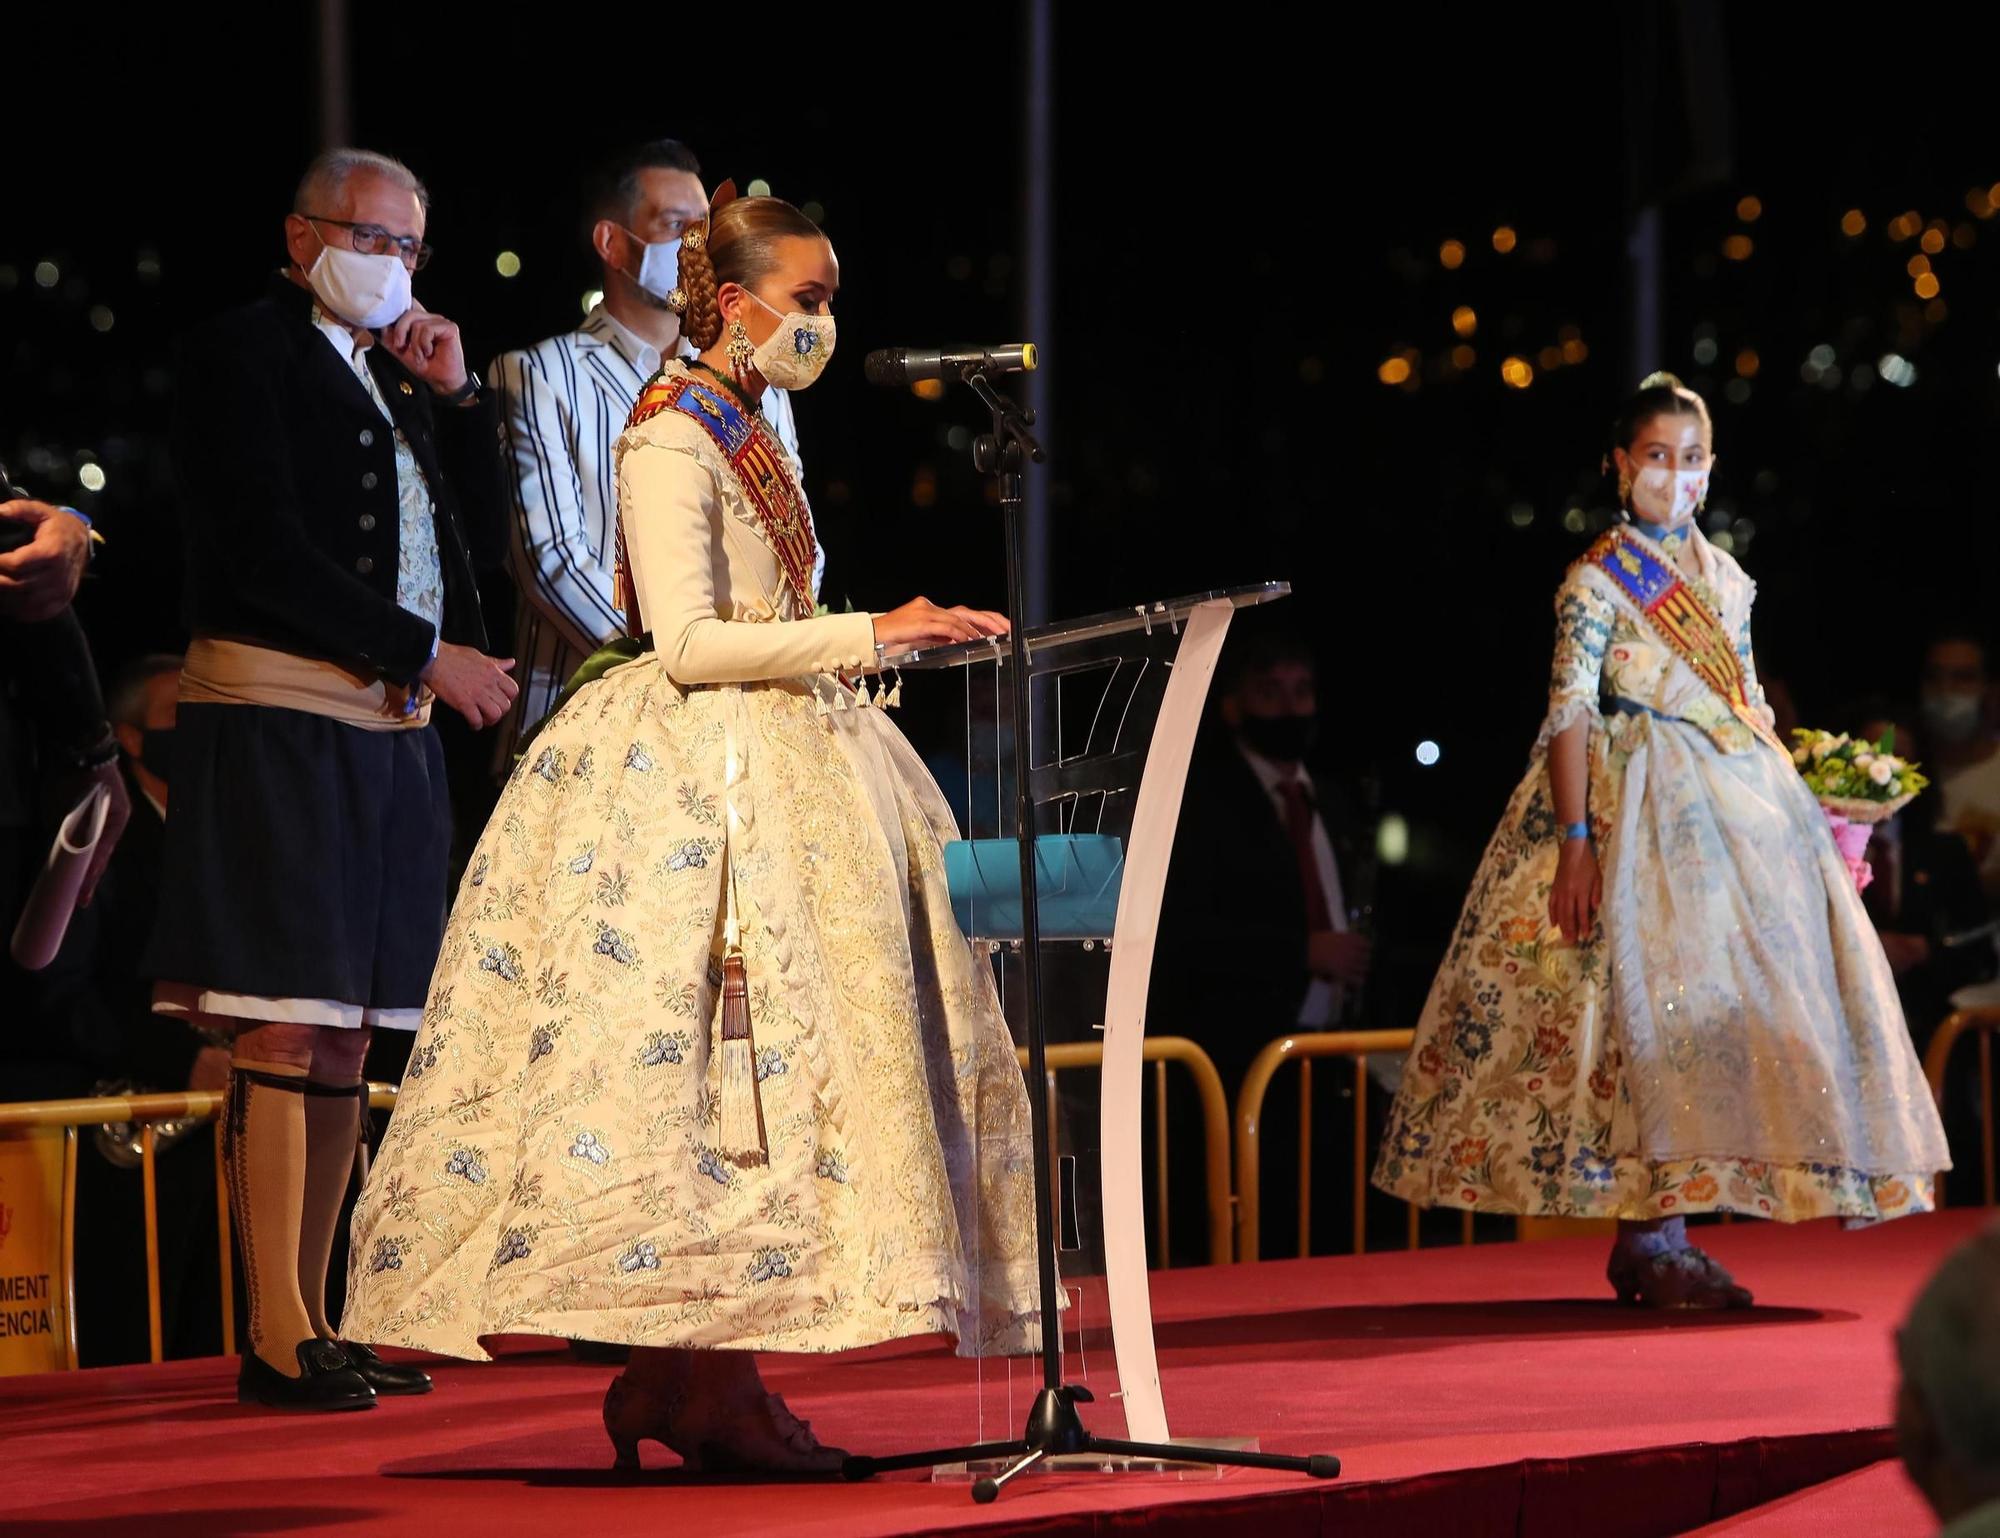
470, 390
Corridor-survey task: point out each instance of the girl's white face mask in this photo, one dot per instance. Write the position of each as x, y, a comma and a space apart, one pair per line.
1669, 499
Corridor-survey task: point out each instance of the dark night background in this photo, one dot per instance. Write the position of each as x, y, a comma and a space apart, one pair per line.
1252, 213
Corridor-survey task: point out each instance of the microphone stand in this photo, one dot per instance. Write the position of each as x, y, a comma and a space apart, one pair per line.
1054, 1428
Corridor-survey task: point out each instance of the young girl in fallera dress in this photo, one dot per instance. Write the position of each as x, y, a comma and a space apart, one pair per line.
1664, 995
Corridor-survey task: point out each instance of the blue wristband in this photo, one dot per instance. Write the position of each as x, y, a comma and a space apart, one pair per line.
94, 539
1575, 830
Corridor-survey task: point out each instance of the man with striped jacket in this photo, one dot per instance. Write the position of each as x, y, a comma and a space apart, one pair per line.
564, 402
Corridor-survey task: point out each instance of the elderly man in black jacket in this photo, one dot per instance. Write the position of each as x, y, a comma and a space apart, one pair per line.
335, 465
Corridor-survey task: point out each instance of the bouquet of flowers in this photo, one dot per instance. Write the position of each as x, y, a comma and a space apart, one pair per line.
1858, 783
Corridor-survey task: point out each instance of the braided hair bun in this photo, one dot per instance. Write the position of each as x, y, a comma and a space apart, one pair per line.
737, 243
701, 320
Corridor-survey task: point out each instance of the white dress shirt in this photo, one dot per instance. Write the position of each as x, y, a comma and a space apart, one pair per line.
563, 403
1323, 1000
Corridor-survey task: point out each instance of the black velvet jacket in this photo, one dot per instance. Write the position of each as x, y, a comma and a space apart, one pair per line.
286, 476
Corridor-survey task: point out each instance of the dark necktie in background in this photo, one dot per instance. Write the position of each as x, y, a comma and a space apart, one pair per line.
1299, 823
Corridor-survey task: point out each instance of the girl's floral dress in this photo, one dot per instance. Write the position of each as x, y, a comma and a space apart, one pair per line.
1729, 1037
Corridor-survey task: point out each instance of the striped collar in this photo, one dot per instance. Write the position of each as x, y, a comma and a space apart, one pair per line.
601, 328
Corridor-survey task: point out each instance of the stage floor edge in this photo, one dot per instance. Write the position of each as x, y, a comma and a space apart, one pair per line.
1495, 1390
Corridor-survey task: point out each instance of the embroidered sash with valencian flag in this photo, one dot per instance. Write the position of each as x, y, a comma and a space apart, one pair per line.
760, 469
1694, 631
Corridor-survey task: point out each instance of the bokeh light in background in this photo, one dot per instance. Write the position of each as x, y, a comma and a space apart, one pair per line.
1362, 330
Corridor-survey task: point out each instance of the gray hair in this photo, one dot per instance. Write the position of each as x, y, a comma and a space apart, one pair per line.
327, 177
126, 705
1950, 1352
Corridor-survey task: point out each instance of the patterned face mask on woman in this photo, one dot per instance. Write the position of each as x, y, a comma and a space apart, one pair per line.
796, 354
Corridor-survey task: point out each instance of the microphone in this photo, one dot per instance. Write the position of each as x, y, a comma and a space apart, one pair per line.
907, 365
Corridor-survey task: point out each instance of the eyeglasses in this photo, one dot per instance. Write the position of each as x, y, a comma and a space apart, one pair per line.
373, 240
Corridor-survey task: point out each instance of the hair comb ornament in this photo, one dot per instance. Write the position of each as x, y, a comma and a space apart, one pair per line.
696, 235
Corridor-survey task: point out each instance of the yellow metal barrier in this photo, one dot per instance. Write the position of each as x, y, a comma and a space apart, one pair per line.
1984, 1020
205, 1105
1304, 1047
146, 1111
1159, 1051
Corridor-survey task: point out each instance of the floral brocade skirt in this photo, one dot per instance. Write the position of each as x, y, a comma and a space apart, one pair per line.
553, 1166
1727, 1040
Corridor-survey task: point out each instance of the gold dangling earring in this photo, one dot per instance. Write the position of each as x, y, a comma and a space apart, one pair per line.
739, 349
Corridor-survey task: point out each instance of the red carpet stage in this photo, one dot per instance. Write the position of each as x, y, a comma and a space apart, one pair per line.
1495, 1390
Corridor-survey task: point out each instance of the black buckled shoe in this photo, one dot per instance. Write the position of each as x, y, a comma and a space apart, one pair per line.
327, 1380
384, 1377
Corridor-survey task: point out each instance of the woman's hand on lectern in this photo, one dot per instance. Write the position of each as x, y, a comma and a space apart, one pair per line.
922, 623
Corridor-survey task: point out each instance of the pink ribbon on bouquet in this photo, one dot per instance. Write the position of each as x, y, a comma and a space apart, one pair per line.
1852, 837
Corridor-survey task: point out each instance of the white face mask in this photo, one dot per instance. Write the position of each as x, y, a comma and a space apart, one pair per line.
1667, 498
365, 291
795, 354
1951, 717
659, 271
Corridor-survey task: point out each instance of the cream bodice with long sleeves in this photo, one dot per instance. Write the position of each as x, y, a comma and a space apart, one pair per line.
711, 588
1605, 650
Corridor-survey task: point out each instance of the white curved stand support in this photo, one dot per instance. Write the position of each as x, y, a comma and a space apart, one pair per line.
1137, 927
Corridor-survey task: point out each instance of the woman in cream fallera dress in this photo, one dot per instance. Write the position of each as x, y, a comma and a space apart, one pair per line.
554, 1166
1727, 1038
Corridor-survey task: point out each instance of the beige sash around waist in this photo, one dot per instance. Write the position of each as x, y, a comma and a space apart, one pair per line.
220, 671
